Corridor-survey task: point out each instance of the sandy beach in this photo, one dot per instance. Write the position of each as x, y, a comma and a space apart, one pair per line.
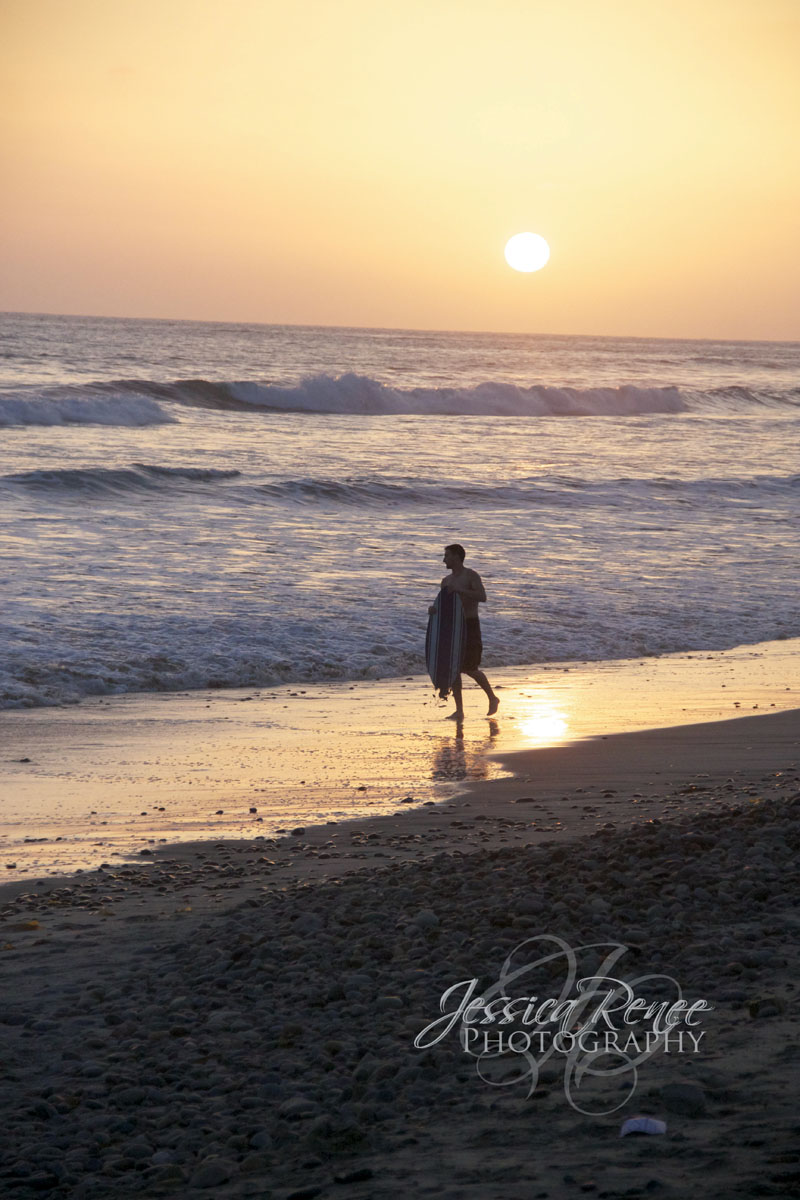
235, 1018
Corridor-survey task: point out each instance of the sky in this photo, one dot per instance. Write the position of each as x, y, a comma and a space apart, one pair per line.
363, 162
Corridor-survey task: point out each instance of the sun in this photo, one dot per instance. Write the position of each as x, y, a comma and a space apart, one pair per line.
527, 252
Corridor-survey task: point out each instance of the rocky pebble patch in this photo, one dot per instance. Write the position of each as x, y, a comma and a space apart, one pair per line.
268, 1051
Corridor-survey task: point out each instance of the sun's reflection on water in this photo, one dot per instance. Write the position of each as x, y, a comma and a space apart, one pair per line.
542, 724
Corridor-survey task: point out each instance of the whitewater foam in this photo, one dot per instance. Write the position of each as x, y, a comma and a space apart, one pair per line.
79, 407
352, 393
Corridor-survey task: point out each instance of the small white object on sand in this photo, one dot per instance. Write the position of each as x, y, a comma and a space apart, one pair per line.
642, 1125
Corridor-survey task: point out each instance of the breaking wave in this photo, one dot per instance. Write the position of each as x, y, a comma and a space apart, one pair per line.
360, 394
141, 402
80, 406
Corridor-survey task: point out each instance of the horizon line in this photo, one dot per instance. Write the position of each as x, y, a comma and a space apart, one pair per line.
399, 328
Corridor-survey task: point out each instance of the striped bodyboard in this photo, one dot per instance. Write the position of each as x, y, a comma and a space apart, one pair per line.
445, 641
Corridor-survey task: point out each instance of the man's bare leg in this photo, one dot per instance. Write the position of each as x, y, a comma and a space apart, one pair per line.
483, 682
458, 715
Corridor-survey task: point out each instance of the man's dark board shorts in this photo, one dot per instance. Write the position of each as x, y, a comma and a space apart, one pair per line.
473, 648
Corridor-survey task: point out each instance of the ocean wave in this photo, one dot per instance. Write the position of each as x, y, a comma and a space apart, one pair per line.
140, 402
382, 492
556, 490
735, 398
114, 480
359, 394
79, 406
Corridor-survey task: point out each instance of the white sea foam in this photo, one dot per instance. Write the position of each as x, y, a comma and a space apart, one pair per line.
352, 393
81, 408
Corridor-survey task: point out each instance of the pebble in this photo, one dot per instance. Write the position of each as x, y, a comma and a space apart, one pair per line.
261, 1140
138, 1150
359, 1176
172, 1173
212, 1172
768, 1006
162, 1158
297, 1107
425, 919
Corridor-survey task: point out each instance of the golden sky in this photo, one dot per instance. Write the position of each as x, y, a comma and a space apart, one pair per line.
363, 162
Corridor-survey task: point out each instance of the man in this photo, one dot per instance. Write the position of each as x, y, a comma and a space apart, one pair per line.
467, 583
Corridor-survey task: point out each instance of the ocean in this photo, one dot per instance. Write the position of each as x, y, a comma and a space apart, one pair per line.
191, 505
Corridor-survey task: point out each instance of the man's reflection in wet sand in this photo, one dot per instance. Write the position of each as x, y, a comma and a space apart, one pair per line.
454, 758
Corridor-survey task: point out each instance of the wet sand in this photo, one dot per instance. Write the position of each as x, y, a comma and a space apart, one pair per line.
103, 780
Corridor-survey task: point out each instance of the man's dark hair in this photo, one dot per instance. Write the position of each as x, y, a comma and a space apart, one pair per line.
456, 549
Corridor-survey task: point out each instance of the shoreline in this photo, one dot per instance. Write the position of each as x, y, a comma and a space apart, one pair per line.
104, 780
555, 794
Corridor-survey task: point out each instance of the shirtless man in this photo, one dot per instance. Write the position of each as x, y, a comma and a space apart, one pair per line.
468, 584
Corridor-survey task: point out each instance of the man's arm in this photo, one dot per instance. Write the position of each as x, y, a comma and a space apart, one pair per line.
472, 586
478, 590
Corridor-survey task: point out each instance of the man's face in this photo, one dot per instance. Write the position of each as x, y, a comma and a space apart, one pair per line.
450, 559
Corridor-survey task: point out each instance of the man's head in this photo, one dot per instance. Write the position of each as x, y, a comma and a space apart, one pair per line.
454, 555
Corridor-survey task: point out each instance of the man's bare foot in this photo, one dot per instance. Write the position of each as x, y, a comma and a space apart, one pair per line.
456, 716
494, 704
